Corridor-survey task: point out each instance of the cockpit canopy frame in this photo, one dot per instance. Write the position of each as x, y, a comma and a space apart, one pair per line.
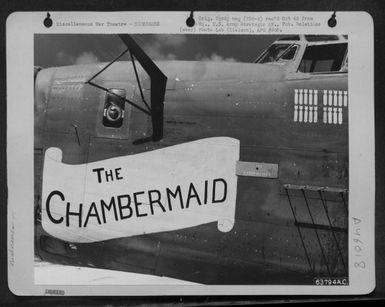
308, 54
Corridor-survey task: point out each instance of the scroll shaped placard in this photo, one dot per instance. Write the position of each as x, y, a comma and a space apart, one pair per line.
162, 190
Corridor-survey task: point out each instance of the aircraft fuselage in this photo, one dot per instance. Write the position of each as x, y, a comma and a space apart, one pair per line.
296, 121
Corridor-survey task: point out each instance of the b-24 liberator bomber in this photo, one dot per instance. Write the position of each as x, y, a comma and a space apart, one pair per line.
210, 172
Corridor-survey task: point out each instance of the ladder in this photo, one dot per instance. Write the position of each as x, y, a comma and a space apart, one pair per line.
340, 196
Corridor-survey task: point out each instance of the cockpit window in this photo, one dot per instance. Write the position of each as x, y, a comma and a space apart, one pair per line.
323, 58
344, 67
273, 53
319, 38
289, 54
290, 38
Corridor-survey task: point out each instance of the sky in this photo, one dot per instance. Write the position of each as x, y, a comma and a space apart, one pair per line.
71, 49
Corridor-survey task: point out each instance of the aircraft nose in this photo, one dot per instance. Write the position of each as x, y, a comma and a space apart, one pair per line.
43, 79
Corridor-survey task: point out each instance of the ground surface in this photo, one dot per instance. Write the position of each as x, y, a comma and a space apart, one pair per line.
56, 274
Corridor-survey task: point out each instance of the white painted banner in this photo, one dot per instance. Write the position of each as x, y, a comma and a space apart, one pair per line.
167, 189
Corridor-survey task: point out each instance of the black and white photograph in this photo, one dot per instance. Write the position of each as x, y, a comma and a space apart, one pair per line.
194, 157
224, 157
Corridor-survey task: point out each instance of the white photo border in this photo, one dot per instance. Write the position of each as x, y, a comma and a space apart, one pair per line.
20, 30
